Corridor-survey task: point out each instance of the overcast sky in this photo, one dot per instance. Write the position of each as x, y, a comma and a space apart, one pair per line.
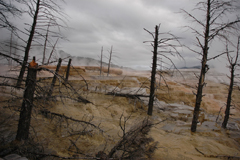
119, 23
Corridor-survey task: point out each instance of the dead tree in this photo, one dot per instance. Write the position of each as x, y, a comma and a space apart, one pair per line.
233, 64
68, 70
27, 104
53, 49
45, 44
54, 78
45, 13
167, 45
29, 42
127, 95
110, 58
216, 11
153, 74
34, 98
10, 48
101, 62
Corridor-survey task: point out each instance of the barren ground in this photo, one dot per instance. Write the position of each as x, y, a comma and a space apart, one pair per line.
174, 106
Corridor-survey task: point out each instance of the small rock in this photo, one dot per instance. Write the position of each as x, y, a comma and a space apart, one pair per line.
168, 127
156, 118
181, 124
211, 125
12, 157
232, 126
183, 112
174, 115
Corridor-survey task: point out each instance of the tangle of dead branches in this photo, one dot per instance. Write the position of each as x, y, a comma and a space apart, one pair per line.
53, 115
134, 144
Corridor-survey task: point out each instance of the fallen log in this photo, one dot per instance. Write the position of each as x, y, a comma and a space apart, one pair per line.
132, 96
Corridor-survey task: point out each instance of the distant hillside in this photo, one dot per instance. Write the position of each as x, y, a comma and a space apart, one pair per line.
193, 67
76, 60
82, 61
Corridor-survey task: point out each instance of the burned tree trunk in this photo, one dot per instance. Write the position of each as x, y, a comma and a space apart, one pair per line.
29, 42
153, 78
45, 44
109, 63
204, 69
68, 70
101, 62
54, 77
27, 104
52, 52
233, 65
10, 49
199, 96
168, 45
215, 24
229, 99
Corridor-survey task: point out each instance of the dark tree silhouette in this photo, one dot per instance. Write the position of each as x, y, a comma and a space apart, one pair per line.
134, 143
45, 14
216, 25
54, 78
29, 42
68, 69
27, 104
153, 74
233, 64
110, 58
167, 46
101, 61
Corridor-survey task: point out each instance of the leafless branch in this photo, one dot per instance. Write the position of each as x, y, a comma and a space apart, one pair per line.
46, 112
134, 142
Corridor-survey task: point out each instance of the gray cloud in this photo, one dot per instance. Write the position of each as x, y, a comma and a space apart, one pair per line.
119, 23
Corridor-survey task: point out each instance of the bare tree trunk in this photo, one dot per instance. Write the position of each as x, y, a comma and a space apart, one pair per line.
198, 101
54, 77
101, 62
204, 68
68, 70
227, 111
10, 50
233, 65
109, 63
27, 104
52, 52
27, 49
153, 78
45, 45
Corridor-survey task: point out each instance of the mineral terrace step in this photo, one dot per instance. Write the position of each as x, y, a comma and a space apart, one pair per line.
13, 157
